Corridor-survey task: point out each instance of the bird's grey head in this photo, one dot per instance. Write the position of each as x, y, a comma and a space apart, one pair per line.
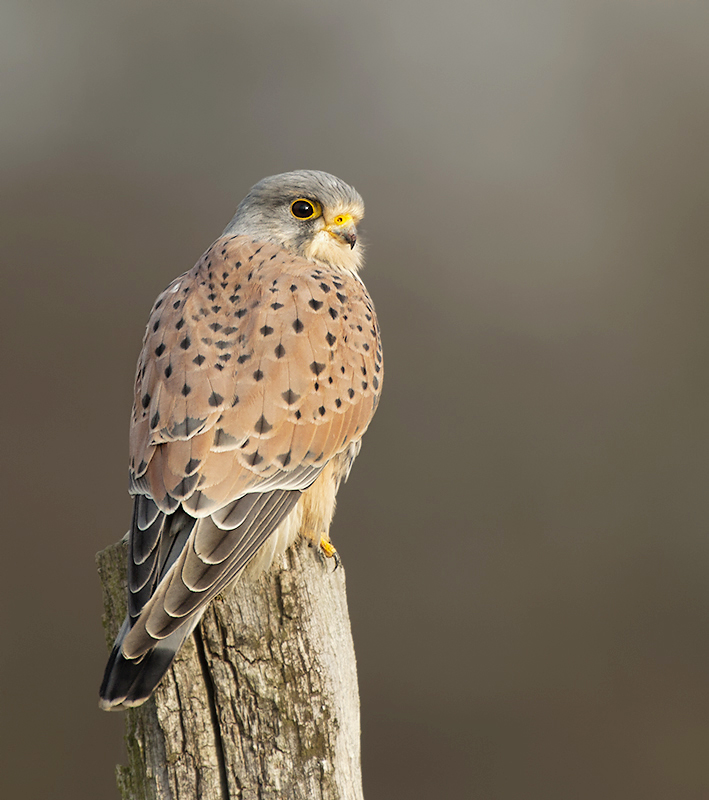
310, 213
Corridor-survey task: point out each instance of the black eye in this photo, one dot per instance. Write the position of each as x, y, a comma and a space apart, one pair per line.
303, 209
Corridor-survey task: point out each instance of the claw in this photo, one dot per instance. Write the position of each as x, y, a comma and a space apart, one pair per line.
327, 549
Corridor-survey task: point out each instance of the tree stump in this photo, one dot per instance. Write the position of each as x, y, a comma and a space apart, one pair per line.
261, 702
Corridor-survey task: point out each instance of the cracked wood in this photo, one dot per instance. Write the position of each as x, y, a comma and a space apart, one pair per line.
262, 701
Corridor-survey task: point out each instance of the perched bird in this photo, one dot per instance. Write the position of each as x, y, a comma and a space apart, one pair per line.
260, 371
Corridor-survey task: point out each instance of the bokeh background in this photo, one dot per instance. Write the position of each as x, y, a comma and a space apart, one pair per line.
525, 532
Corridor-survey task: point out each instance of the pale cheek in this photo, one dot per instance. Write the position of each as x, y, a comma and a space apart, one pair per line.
324, 247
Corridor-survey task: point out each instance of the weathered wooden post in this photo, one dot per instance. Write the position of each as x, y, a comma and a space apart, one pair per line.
262, 700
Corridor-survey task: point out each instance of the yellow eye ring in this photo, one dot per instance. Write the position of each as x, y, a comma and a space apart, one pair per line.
304, 209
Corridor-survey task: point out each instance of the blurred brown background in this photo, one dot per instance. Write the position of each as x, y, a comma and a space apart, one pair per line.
525, 532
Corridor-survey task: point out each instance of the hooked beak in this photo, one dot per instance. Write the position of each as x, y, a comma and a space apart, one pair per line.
344, 229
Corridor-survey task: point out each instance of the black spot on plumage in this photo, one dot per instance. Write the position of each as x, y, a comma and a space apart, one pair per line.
368, 317
223, 344
212, 296
220, 367
324, 287
316, 367
329, 380
235, 401
199, 360
192, 465
333, 312
298, 415
280, 351
266, 330
359, 328
338, 402
351, 393
168, 370
243, 359
181, 324
159, 303
186, 389
240, 313
185, 487
321, 410
228, 331
188, 427
293, 287
262, 425
364, 384
216, 309
234, 298
185, 343
290, 397
258, 375
145, 401
275, 306
215, 326
215, 399
177, 304
155, 419
375, 382
225, 275
225, 356
330, 339
365, 346
341, 297
377, 368
160, 349
224, 285
156, 325
316, 305
255, 459
298, 326
284, 458
364, 370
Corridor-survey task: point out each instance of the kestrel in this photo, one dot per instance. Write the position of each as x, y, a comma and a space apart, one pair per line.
260, 371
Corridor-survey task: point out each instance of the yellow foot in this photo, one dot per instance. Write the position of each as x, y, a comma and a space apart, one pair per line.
329, 551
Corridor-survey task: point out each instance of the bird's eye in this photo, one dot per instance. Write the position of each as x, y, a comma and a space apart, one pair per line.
304, 209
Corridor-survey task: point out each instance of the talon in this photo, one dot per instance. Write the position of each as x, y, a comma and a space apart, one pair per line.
328, 550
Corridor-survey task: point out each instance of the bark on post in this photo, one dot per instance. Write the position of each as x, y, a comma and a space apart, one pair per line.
262, 701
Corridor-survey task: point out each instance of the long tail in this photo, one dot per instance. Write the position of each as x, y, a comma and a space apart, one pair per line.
130, 682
